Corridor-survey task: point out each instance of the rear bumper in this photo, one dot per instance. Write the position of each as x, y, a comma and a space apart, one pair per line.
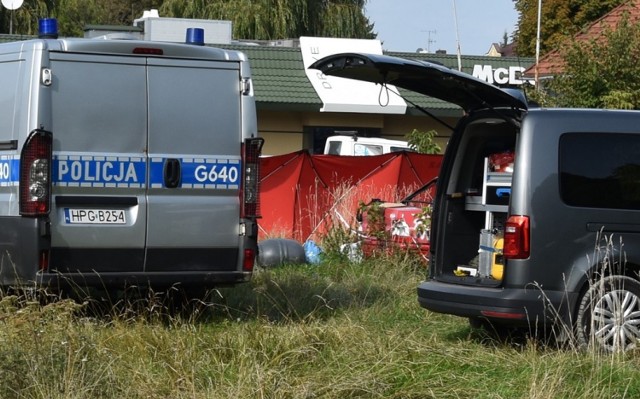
22, 242
513, 306
156, 280
25, 243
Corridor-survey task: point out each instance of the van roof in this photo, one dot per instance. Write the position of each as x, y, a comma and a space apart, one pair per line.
126, 47
367, 140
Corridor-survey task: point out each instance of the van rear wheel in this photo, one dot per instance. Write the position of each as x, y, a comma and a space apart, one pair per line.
609, 315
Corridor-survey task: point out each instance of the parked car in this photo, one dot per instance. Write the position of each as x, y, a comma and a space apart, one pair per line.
553, 241
354, 145
404, 226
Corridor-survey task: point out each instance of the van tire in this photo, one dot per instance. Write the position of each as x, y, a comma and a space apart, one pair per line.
605, 298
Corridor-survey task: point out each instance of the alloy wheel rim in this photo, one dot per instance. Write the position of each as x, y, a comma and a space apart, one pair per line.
616, 320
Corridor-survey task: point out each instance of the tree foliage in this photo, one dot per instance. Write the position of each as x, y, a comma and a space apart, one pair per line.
423, 142
601, 73
279, 19
73, 15
560, 19
252, 19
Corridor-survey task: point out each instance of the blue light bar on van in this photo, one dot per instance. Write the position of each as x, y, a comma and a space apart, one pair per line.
195, 36
48, 28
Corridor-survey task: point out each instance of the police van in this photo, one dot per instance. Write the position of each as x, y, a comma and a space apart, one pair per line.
126, 162
354, 145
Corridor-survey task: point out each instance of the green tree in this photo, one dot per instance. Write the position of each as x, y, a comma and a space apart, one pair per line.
423, 142
73, 15
25, 18
560, 19
252, 19
279, 19
601, 73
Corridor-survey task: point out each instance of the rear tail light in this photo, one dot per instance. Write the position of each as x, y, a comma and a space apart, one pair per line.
250, 192
517, 238
44, 260
249, 260
148, 51
35, 174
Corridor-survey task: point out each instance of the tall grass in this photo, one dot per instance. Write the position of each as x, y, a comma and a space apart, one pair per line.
334, 330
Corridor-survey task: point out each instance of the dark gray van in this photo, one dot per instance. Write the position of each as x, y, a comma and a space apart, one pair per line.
536, 220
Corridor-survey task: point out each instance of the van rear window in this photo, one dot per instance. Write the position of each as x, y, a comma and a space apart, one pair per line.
600, 170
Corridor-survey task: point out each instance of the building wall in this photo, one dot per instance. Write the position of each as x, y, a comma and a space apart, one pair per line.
401, 125
284, 131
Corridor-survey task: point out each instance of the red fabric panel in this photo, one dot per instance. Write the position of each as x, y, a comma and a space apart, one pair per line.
278, 192
303, 195
269, 165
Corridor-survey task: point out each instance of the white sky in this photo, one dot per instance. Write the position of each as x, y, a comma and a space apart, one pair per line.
406, 25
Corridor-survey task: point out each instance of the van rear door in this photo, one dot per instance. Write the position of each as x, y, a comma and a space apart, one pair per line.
420, 76
194, 162
99, 125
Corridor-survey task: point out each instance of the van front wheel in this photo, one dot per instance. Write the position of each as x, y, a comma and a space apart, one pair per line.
609, 315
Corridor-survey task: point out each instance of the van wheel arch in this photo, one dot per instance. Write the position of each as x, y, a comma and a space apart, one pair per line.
615, 301
631, 270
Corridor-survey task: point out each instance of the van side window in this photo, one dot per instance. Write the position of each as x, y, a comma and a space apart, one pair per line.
600, 170
334, 147
367, 149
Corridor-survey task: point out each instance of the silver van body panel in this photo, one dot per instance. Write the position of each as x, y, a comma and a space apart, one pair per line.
147, 165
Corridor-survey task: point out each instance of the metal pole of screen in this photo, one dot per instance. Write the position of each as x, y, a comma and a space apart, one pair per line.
11, 5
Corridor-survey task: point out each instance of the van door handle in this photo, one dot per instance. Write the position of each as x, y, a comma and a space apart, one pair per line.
172, 173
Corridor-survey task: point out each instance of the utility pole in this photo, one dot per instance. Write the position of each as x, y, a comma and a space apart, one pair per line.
455, 20
538, 44
11, 5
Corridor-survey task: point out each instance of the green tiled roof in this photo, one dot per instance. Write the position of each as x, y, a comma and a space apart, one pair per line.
280, 81
279, 78
5, 38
